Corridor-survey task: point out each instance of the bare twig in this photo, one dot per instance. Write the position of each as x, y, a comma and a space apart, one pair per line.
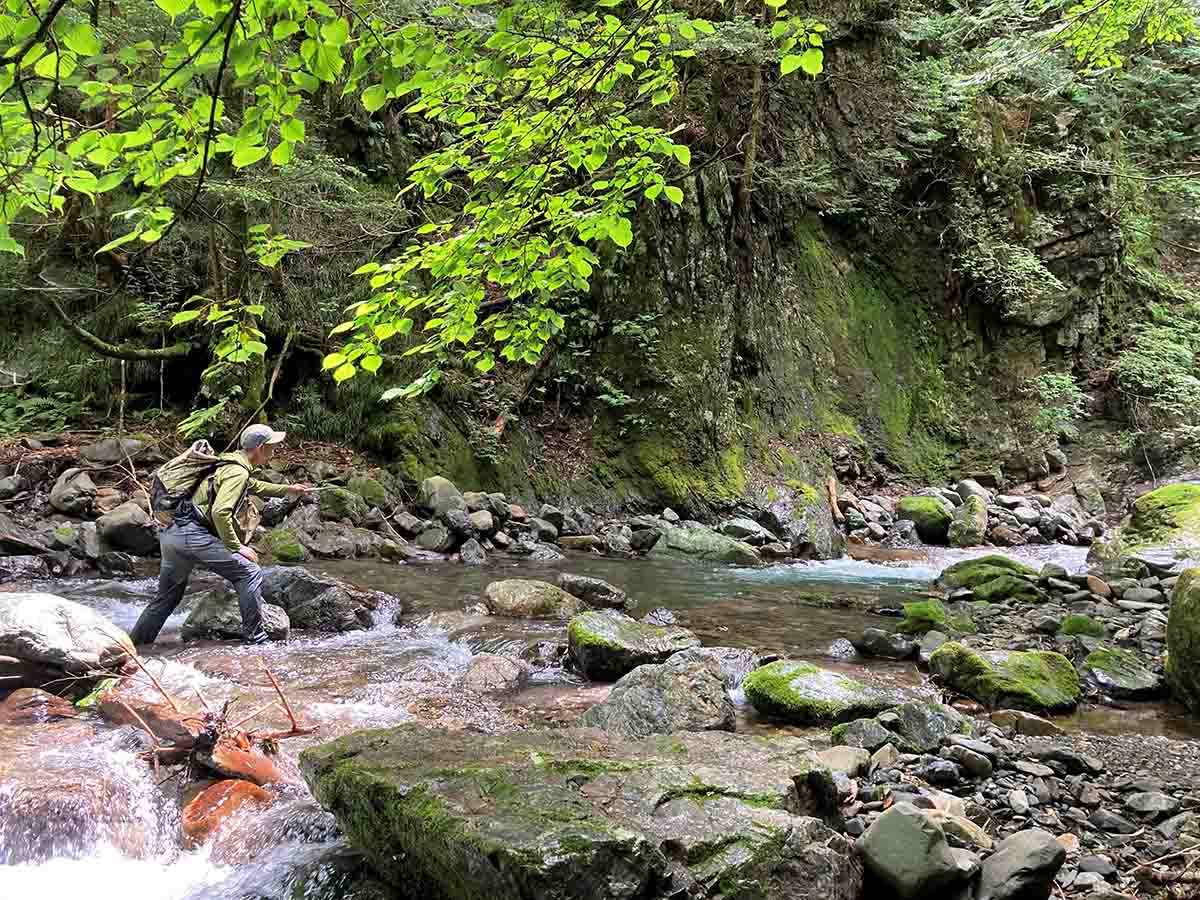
166, 696
287, 707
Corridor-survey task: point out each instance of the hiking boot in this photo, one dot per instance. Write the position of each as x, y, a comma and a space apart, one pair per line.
259, 637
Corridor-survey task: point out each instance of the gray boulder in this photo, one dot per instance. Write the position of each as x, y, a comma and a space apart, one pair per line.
128, 528
575, 814
527, 599
112, 450
700, 541
804, 694
877, 642
490, 673
970, 488
17, 540
733, 663
50, 631
321, 603
438, 496
73, 492
595, 592
907, 854
1022, 868
338, 504
218, 617
11, 485
543, 529
969, 523
742, 529
682, 694
472, 553
605, 645
1120, 674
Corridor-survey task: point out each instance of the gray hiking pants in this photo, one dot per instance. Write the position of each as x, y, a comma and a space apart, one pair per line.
187, 545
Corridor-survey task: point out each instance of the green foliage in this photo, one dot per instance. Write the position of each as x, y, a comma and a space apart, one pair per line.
22, 412
1059, 400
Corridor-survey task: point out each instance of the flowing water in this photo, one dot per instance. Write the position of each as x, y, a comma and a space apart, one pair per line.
80, 815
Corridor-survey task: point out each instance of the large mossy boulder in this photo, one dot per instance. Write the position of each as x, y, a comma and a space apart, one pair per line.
968, 525
1005, 588
804, 694
578, 814
284, 546
686, 693
338, 504
801, 514
438, 495
218, 617
527, 599
971, 573
606, 645
922, 616
370, 489
1033, 680
701, 542
929, 514
1183, 639
1165, 520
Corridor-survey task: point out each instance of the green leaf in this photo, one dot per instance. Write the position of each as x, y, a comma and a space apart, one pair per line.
336, 33
173, 7
82, 39
790, 64
621, 232
333, 360
188, 315
374, 97
342, 372
257, 347
282, 154
284, 29
486, 363
683, 154
812, 62
111, 181
372, 363
248, 156
674, 194
342, 328
292, 130
703, 26
117, 242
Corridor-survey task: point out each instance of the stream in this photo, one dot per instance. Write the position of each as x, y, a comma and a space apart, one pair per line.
119, 837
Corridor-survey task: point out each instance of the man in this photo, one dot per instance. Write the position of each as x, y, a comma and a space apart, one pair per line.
205, 534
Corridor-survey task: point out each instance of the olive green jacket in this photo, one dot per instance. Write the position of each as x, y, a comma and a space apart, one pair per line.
232, 485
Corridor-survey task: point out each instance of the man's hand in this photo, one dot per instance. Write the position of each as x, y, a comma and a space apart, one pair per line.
248, 552
300, 488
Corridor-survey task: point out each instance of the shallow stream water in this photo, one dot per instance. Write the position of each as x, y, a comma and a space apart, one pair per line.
124, 841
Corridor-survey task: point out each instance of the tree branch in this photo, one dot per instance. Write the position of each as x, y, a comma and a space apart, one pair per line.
115, 351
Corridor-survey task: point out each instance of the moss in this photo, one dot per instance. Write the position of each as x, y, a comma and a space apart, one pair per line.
581, 635
369, 489
928, 514
923, 616
93, 697
285, 546
803, 693
1030, 680
1077, 623
1183, 640
1009, 587
1160, 514
972, 572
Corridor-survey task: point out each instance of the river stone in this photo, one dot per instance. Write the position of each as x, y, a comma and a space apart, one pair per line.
576, 814
682, 694
321, 603
605, 645
930, 515
490, 673
112, 450
472, 553
1022, 868
11, 485
595, 592
1034, 680
284, 545
338, 504
906, 853
522, 598
436, 539
439, 496
971, 488
877, 642
923, 725
734, 664
23, 568
543, 529
218, 617
747, 530
47, 630
801, 693
1183, 639
1120, 674
968, 525
17, 540
700, 541
801, 516
73, 492
374, 493
128, 528
865, 733
970, 573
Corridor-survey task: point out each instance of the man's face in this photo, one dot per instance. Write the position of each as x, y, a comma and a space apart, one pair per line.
266, 452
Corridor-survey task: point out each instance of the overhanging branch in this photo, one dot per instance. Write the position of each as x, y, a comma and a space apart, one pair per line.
115, 351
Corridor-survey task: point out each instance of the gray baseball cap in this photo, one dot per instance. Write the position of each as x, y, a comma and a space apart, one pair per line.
257, 435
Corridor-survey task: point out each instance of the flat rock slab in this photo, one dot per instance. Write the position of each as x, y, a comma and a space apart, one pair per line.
579, 814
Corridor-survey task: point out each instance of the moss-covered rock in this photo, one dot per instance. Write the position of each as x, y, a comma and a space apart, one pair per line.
1183, 639
527, 599
605, 645
968, 525
284, 546
700, 541
578, 814
338, 504
1034, 680
930, 516
1009, 587
1166, 519
922, 616
1079, 624
970, 573
1120, 674
374, 493
804, 694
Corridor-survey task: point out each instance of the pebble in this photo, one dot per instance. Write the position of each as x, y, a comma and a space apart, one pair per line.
1111, 822
1018, 802
1032, 768
1101, 865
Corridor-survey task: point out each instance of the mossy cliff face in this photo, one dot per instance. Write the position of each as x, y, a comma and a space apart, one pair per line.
579, 814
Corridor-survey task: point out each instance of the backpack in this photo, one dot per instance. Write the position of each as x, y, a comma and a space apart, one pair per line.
176, 481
